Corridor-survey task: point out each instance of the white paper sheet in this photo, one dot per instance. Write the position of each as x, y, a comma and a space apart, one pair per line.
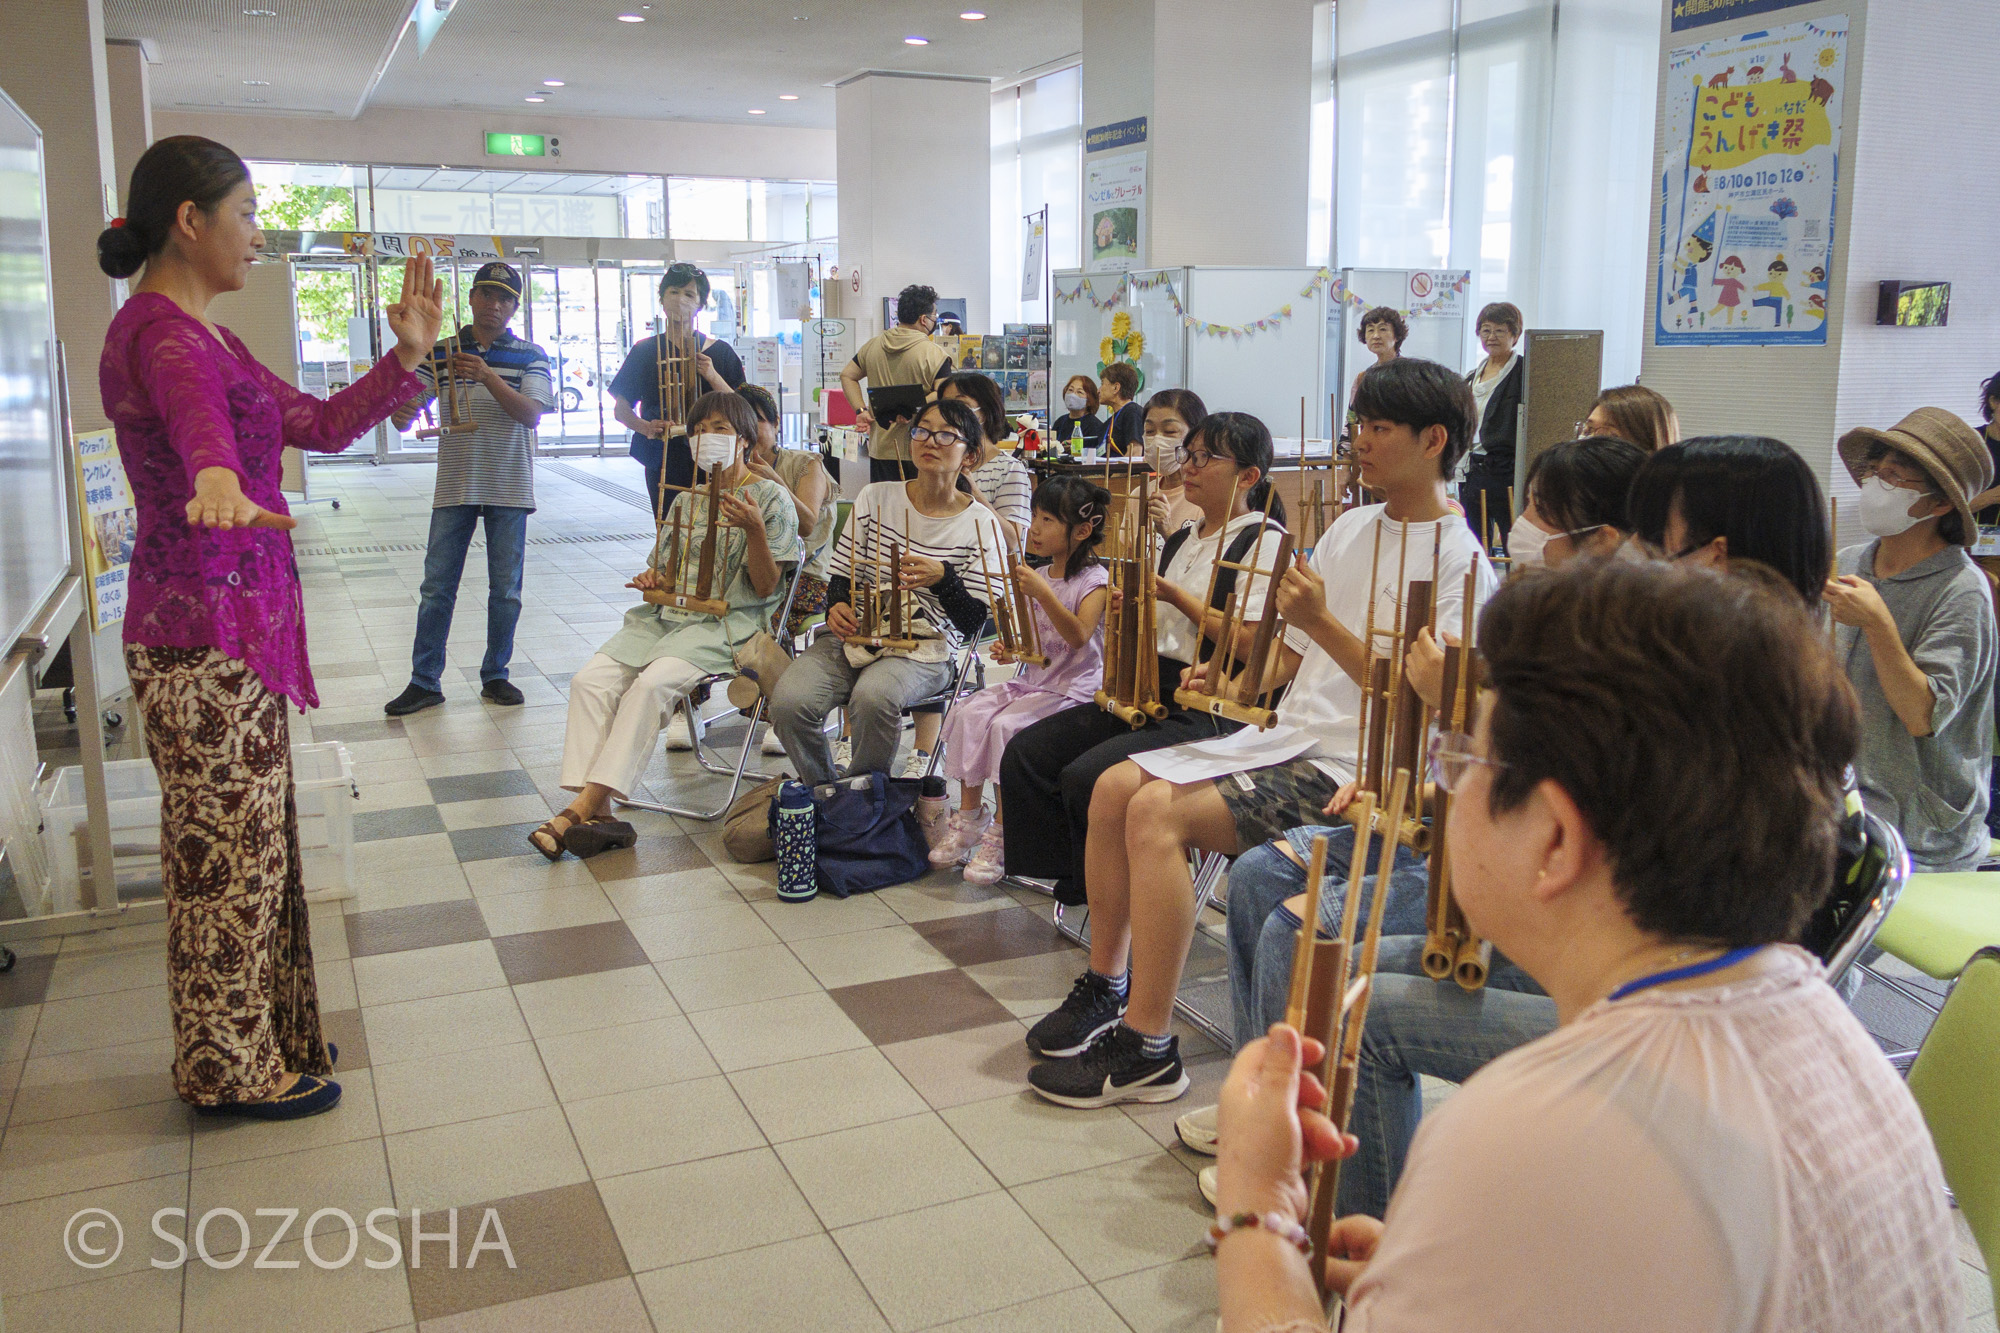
1203, 761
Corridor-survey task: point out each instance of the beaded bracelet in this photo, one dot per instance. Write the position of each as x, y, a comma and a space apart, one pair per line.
1276, 1223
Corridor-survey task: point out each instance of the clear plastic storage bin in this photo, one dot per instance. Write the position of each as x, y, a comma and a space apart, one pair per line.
323, 780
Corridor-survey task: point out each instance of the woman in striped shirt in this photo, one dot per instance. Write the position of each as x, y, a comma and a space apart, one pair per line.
945, 540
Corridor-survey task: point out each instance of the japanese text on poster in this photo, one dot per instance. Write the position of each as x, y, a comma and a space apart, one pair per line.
110, 524
1114, 211
1748, 187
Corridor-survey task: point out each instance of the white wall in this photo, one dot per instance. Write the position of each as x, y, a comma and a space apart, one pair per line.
915, 179
131, 109
457, 138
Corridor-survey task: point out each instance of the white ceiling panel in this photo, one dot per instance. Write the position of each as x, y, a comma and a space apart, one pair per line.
704, 62
313, 56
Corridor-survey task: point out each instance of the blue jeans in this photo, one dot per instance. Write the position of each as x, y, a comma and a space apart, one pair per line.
444, 561
1262, 933
1418, 1026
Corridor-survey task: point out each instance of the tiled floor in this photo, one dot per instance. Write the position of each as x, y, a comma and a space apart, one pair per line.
691, 1106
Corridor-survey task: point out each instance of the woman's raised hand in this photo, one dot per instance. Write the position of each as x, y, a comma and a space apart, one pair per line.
219, 502
417, 316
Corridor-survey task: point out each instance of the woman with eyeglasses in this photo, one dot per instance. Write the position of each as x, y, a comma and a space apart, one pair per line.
946, 541
660, 445
1632, 412
1049, 771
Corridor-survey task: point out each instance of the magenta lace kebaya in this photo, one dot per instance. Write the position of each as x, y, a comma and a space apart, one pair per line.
181, 401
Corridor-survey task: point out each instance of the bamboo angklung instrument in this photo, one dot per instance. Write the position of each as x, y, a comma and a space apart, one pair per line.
1239, 697
1331, 992
1450, 947
880, 602
453, 399
674, 353
1131, 688
1394, 718
691, 571
1013, 615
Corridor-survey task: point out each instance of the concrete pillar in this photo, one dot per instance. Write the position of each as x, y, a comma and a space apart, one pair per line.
58, 78
1227, 91
913, 155
131, 93
1905, 208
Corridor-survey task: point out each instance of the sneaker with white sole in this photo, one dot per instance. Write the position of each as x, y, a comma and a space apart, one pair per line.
843, 755
1197, 1130
677, 733
1206, 1178
1114, 1069
771, 745
989, 863
961, 833
918, 764
1091, 1009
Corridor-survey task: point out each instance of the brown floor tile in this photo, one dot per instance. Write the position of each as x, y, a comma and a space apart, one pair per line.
988, 937
27, 982
544, 955
345, 1029
360, 731
488, 844
405, 822
482, 786
423, 926
560, 1238
905, 1008
335, 670
652, 856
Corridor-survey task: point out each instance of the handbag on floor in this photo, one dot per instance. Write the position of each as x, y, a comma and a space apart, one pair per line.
746, 828
866, 834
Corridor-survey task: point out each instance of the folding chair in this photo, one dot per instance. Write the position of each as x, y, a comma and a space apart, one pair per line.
1880, 874
1956, 1081
737, 773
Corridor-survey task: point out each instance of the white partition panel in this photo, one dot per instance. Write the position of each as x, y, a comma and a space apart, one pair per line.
1265, 372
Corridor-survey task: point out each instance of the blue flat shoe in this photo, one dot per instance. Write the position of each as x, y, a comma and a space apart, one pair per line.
311, 1095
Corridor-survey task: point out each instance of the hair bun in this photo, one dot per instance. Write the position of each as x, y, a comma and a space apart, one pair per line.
121, 251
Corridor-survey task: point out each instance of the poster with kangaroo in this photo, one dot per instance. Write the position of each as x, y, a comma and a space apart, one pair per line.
1748, 187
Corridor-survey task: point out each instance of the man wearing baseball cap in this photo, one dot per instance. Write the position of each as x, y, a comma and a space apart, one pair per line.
487, 473
1916, 633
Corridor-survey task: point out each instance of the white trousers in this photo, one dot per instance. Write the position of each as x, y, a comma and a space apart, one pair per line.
615, 716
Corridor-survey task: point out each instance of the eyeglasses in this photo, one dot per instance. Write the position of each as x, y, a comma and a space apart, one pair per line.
1452, 758
1193, 460
950, 439
1901, 480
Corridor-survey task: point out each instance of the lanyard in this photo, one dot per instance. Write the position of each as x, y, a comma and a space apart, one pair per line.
1730, 959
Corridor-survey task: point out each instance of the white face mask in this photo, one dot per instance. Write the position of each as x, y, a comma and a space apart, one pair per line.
1885, 509
1075, 402
1526, 542
1160, 453
713, 451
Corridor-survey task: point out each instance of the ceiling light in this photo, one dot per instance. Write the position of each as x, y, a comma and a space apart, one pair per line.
260, 13
256, 83
788, 97
756, 111
552, 83
535, 97
631, 18
916, 41
255, 99
972, 16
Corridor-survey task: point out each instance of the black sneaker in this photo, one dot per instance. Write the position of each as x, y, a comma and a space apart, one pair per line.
1091, 1010
414, 699
504, 692
1113, 1070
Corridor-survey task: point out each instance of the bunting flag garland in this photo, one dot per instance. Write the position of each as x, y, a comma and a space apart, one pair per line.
1085, 291
1326, 278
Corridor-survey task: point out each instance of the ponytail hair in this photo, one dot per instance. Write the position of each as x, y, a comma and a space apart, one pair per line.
1247, 442
179, 169
1072, 502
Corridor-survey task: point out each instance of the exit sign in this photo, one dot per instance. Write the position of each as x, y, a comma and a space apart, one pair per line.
514, 145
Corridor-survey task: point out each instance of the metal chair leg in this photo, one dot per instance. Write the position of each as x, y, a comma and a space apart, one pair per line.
735, 776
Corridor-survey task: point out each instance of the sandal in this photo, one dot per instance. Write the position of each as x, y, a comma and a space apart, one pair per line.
549, 839
602, 834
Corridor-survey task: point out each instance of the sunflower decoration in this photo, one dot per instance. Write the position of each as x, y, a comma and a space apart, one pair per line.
1125, 344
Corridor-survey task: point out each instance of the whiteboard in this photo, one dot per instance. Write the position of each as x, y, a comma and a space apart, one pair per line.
34, 501
1436, 337
1081, 326
1266, 372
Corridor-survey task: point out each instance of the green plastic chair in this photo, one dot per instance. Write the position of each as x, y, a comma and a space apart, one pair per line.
1941, 920
1956, 1081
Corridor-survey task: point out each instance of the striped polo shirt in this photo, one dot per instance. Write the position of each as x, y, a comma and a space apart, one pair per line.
495, 464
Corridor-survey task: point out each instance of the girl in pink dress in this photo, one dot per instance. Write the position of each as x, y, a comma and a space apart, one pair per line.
1067, 602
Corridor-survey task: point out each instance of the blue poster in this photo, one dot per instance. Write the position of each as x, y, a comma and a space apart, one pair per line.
1748, 187
1699, 13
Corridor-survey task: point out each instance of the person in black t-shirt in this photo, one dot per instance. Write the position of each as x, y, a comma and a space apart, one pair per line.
635, 390
1119, 385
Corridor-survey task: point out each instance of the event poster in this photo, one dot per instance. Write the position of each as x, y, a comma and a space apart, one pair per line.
1748, 188
110, 524
1114, 213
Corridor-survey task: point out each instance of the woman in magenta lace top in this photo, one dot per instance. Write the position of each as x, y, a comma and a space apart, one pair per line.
214, 633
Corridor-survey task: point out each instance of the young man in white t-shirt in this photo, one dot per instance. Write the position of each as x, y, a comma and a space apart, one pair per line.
1415, 419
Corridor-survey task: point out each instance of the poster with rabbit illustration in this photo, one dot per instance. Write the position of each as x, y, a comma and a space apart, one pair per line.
1748, 187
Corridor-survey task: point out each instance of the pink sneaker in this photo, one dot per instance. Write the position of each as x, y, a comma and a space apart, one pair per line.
989, 863
960, 835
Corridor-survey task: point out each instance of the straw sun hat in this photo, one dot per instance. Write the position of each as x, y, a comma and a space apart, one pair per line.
1944, 446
